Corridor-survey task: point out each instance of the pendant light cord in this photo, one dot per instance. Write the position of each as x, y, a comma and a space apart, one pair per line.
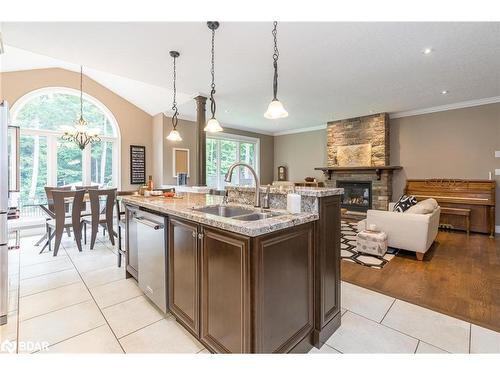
276, 55
212, 72
174, 103
81, 93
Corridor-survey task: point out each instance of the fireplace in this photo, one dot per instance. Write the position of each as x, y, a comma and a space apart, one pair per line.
357, 195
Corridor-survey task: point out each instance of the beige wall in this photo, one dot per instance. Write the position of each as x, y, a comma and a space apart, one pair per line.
458, 143
301, 153
187, 129
135, 124
157, 148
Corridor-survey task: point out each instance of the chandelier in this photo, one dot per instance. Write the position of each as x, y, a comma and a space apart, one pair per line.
81, 135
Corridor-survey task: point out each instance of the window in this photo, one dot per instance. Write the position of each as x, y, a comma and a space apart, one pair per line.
226, 149
46, 159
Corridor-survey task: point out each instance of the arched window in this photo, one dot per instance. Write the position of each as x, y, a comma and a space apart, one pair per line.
46, 159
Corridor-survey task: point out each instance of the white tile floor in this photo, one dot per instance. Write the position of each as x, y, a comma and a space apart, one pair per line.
81, 303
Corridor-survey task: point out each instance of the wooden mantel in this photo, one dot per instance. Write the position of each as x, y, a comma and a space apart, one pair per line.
377, 170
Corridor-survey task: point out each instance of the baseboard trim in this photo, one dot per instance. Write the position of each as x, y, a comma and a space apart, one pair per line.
320, 337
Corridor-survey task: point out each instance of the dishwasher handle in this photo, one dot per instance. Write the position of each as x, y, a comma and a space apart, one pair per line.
149, 223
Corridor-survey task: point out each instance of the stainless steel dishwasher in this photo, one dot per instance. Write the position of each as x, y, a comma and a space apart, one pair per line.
152, 256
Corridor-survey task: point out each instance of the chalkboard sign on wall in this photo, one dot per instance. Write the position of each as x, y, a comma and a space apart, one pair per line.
137, 165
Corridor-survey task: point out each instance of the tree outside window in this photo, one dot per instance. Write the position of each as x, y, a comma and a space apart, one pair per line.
224, 150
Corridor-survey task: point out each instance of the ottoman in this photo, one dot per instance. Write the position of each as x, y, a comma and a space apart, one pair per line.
371, 242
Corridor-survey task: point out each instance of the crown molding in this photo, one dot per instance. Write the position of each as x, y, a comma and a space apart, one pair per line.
446, 107
300, 130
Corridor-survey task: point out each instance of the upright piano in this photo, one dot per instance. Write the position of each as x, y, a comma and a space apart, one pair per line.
478, 196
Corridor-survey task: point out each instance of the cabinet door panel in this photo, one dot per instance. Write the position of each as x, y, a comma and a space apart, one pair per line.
329, 257
225, 296
184, 273
282, 268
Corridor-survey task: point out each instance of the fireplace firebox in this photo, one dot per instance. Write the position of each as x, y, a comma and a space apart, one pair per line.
357, 195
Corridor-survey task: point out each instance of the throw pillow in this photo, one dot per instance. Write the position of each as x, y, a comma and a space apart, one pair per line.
423, 207
417, 209
404, 203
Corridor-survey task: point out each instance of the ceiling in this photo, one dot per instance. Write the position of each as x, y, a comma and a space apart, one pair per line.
327, 71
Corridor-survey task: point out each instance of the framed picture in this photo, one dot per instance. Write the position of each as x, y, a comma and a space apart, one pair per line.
137, 165
180, 161
282, 175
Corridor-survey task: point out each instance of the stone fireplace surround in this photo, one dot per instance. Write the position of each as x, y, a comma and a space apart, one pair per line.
372, 129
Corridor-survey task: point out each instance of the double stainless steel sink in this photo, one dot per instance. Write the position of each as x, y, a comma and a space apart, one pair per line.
238, 213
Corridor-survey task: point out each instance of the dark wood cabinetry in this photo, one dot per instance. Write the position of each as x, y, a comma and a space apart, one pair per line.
183, 266
282, 286
327, 266
243, 295
225, 291
276, 293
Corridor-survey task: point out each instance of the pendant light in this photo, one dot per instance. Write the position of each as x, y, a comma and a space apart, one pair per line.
174, 134
213, 125
275, 109
81, 135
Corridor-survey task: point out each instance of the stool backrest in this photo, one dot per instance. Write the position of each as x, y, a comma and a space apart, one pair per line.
50, 198
59, 197
95, 206
119, 210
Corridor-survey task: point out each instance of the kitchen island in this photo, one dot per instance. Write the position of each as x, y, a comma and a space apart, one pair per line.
247, 280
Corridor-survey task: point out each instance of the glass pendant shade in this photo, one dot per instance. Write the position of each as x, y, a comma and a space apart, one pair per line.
174, 136
275, 110
213, 126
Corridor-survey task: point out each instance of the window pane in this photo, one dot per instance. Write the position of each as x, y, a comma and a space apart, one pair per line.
247, 155
69, 164
101, 169
228, 155
211, 168
33, 169
58, 111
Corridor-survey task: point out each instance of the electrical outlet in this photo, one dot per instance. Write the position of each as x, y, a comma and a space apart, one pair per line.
497, 154
497, 172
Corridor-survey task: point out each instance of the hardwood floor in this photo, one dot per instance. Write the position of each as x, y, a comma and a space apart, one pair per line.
459, 276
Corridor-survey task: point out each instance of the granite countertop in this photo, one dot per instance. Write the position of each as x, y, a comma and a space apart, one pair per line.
183, 207
302, 190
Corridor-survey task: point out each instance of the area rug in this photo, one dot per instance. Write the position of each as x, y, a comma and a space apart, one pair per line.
349, 253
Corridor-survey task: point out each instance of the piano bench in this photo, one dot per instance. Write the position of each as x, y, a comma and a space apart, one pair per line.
465, 212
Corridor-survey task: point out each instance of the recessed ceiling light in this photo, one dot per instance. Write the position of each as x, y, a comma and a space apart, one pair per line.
444, 92
427, 51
